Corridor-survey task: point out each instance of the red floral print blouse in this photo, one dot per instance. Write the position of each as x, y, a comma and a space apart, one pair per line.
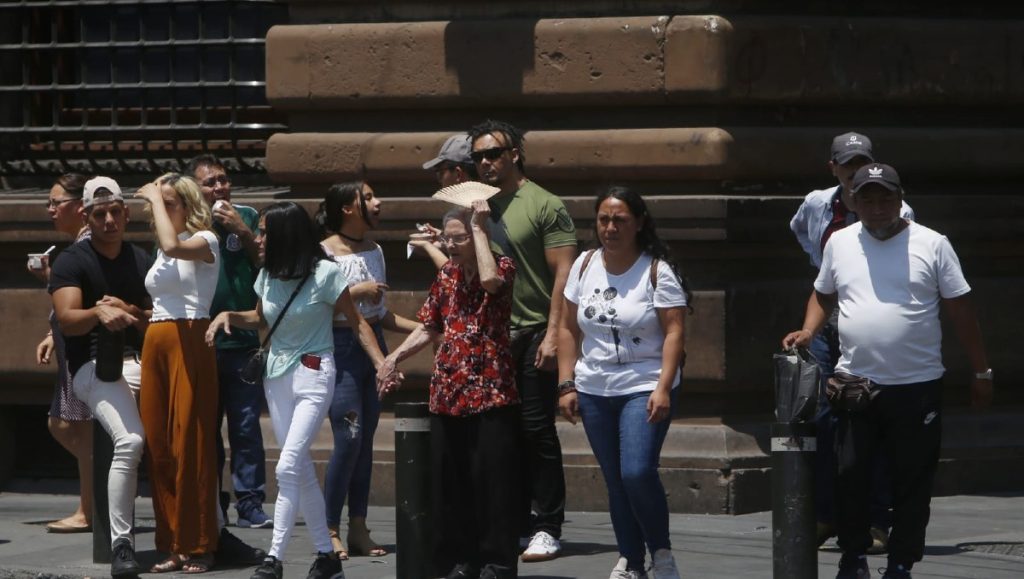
473, 366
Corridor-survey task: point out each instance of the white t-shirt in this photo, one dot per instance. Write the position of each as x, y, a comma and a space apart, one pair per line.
359, 267
183, 289
622, 336
889, 294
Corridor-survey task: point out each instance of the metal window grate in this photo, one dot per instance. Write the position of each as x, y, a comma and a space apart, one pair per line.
133, 86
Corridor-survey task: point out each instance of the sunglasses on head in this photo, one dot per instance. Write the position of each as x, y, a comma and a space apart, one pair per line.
491, 154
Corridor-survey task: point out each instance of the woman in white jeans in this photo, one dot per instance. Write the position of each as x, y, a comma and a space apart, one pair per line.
300, 372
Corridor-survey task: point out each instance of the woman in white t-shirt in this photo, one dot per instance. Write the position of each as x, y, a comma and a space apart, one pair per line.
178, 398
349, 212
619, 354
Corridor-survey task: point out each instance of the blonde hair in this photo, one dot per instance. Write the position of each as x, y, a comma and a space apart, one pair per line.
198, 216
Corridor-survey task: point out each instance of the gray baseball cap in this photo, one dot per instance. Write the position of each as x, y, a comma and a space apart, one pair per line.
876, 174
455, 150
849, 145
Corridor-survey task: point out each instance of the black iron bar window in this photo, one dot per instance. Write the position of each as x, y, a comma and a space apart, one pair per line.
133, 87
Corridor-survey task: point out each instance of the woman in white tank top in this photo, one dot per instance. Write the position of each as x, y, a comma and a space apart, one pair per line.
349, 212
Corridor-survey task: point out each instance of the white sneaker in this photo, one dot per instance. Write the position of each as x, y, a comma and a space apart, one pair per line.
664, 565
543, 547
620, 571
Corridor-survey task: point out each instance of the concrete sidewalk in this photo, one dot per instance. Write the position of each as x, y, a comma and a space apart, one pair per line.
718, 547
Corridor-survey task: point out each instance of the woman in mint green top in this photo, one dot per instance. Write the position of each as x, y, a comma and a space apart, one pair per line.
299, 382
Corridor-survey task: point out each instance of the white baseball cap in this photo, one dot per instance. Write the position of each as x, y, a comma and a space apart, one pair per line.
98, 185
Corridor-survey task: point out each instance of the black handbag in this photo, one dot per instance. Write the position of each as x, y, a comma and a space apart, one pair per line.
797, 378
256, 366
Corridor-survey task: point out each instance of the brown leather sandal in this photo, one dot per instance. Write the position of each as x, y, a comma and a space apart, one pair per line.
336, 543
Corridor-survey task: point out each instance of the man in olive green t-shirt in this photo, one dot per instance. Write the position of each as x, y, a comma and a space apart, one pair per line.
532, 226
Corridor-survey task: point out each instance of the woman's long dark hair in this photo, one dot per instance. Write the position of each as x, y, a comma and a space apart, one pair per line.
291, 249
647, 236
329, 218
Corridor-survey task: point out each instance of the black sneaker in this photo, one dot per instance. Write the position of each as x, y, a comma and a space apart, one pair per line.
326, 566
853, 567
123, 562
232, 551
270, 568
896, 572
463, 571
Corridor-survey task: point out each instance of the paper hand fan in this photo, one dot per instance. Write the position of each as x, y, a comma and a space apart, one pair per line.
464, 194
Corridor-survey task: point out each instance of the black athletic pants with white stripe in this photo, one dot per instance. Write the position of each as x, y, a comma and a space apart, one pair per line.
904, 423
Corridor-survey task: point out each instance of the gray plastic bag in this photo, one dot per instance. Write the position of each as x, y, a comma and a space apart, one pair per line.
797, 379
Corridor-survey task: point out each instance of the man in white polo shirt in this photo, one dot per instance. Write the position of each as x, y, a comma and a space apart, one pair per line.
890, 277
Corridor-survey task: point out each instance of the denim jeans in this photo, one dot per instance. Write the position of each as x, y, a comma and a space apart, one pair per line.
242, 404
114, 406
354, 413
825, 347
298, 404
628, 448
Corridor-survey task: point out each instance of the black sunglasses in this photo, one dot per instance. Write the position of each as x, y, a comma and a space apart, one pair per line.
491, 154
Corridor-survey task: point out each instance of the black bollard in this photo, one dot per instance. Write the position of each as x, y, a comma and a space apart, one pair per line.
794, 535
412, 491
102, 456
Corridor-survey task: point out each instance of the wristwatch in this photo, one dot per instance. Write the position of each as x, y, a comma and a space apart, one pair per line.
986, 375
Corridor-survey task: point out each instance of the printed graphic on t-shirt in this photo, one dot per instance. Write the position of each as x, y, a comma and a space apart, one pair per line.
601, 306
233, 243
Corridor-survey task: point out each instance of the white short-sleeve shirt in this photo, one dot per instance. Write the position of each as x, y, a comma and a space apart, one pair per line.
359, 267
889, 294
622, 335
183, 289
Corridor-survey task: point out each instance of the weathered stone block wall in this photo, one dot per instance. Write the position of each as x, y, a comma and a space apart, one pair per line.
727, 104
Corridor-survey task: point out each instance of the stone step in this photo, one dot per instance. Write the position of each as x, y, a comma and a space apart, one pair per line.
722, 465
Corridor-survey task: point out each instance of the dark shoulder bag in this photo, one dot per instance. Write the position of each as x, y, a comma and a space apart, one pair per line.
256, 366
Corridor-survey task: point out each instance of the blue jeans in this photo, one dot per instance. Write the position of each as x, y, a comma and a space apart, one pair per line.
354, 413
825, 347
242, 404
627, 447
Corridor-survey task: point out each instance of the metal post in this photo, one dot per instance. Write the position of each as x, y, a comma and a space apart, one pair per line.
412, 490
102, 456
794, 545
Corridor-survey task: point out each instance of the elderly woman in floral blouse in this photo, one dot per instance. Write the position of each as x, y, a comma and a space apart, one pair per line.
474, 403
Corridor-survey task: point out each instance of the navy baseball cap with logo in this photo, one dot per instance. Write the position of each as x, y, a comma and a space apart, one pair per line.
849, 145
876, 174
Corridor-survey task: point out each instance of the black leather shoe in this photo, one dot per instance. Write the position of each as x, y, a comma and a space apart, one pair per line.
123, 564
233, 551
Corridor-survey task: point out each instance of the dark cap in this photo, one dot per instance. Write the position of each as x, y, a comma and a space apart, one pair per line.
455, 150
876, 174
849, 145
